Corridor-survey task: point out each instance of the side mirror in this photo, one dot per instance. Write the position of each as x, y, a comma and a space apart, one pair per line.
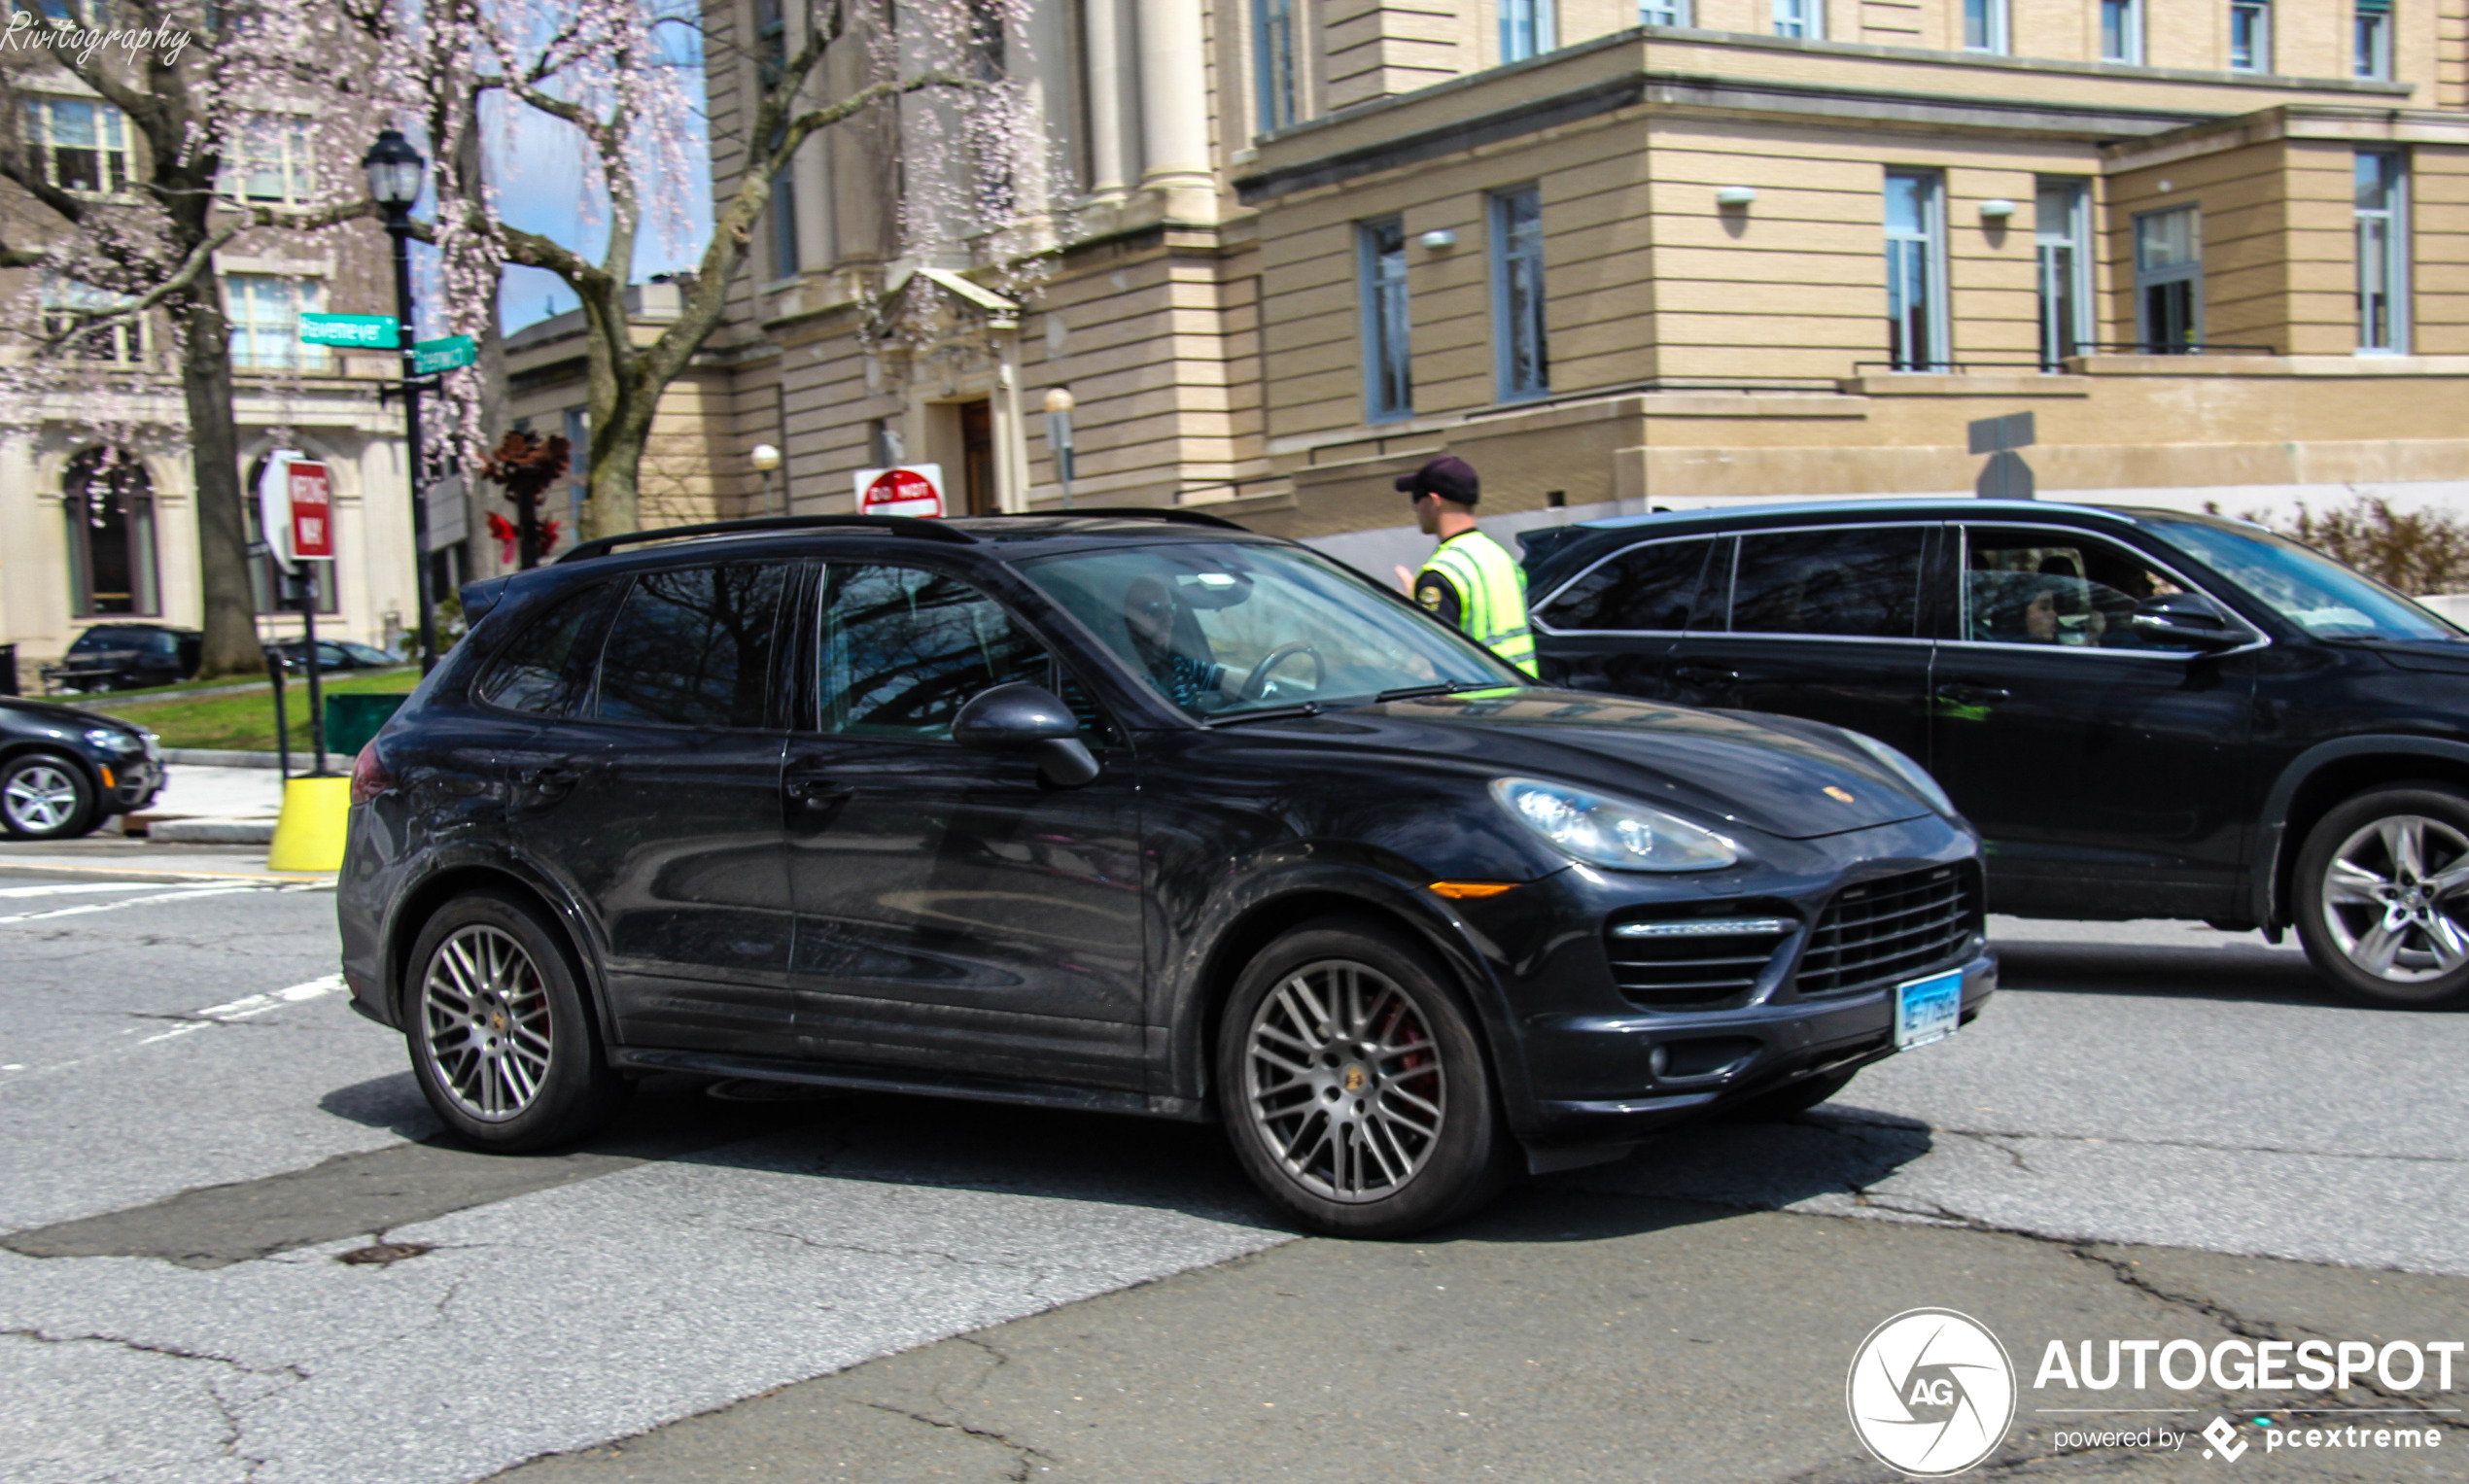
2186, 618
1028, 718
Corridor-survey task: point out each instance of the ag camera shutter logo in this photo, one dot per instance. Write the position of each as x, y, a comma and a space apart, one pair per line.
1930, 1393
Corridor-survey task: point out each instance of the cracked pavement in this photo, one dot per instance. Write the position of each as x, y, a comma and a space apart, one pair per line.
2155, 1132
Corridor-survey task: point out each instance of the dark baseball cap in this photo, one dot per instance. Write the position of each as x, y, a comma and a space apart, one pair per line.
1447, 476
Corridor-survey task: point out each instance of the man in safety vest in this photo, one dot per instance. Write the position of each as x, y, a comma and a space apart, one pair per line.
1470, 581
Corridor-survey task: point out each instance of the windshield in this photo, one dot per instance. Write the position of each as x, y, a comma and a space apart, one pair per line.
2305, 587
1219, 628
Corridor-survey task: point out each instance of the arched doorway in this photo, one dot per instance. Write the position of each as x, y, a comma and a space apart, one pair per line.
111, 517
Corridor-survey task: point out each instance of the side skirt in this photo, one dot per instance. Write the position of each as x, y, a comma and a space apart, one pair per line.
984, 1089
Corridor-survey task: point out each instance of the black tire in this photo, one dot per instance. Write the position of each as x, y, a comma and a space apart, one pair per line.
527, 1026
1790, 1100
46, 796
2386, 931
1360, 1166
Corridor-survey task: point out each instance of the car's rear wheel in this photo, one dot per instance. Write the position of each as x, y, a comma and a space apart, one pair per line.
44, 795
502, 1040
2382, 897
1354, 1086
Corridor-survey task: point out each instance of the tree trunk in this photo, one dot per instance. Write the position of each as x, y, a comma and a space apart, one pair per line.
231, 644
621, 409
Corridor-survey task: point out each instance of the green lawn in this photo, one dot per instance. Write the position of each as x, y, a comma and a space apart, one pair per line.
244, 722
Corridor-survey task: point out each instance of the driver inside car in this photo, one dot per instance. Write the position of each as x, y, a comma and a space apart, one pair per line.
1171, 648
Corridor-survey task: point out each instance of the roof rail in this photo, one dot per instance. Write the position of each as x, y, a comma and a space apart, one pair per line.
903, 525
1175, 514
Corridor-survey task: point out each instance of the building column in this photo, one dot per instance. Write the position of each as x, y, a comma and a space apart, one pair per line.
1102, 20
1174, 109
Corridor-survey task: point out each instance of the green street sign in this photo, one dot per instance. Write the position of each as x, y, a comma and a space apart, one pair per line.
360, 331
442, 355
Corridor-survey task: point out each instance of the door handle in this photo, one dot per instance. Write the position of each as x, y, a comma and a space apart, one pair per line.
815, 793
1704, 674
553, 779
1974, 694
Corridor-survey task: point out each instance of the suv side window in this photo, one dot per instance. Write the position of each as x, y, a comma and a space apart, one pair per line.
2043, 585
1848, 582
693, 647
1648, 588
904, 648
537, 672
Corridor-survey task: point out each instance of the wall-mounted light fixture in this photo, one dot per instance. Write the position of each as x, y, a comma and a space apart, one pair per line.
1996, 211
1736, 195
1437, 240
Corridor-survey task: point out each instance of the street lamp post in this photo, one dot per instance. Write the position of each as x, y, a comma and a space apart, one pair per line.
766, 458
394, 169
1058, 406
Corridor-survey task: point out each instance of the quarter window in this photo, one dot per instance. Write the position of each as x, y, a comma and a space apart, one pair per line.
2059, 588
1861, 582
693, 647
904, 648
2168, 280
1645, 589
537, 672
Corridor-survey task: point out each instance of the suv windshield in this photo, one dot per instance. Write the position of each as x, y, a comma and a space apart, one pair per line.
1219, 628
2303, 586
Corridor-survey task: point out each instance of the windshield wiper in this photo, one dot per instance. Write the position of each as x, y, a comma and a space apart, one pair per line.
1440, 688
1265, 713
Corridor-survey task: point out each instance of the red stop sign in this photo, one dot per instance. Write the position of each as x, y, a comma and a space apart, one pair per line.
902, 492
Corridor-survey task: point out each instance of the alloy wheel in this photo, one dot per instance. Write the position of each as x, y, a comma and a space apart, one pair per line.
40, 797
1343, 1083
2390, 895
485, 1011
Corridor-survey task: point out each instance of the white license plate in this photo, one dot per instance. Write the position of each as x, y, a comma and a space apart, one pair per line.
1928, 1010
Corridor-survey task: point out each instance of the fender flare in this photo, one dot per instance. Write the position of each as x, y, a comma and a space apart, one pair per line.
2273, 823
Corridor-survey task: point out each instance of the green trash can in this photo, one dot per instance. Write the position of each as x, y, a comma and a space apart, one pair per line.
352, 720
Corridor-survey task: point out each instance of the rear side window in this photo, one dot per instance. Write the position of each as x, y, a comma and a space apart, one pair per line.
693, 647
1644, 588
539, 671
1863, 582
904, 648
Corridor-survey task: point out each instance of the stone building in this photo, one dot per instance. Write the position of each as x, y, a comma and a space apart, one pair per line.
1694, 250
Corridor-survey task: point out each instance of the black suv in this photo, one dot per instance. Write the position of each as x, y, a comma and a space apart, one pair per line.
127, 657
1142, 815
2146, 714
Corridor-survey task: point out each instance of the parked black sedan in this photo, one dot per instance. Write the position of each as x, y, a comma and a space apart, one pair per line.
332, 655
1142, 815
64, 771
2147, 714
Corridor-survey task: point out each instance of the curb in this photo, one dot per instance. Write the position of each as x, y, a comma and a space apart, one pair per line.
211, 832
209, 757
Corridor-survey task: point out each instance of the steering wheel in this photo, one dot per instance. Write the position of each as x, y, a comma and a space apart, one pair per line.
1256, 683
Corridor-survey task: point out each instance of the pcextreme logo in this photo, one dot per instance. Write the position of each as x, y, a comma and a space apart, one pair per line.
1932, 1392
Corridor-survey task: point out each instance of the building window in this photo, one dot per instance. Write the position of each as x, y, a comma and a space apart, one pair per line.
1915, 272
1517, 293
265, 312
2250, 35
2063, 230
2374, 57
2121, 31
122, 342
111, 515
784, 222
2169, 280
2383, 252
1800, 17
771, 42
1388, 382
1525, 29
1273, 41
1663, 13
267, 165
77, 145
1985, 25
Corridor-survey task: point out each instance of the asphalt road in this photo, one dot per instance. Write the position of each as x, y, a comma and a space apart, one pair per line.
2155, 1132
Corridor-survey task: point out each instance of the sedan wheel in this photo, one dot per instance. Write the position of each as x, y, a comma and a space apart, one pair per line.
43, 796
2385, 883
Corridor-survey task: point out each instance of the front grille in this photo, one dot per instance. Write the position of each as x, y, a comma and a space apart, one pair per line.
1881, 931
1693, 962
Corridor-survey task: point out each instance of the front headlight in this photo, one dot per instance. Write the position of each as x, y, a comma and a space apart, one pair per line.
107, 740
1911, 773
1603, 831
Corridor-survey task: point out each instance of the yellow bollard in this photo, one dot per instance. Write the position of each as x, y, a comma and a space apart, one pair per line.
309, 835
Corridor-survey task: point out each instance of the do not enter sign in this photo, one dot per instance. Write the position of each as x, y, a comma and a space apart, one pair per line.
915, 489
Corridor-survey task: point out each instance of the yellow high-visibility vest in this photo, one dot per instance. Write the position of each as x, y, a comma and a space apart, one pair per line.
1491, 595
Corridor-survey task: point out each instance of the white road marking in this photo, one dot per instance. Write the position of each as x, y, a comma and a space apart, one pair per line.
83, 886
210, 1017
185, 894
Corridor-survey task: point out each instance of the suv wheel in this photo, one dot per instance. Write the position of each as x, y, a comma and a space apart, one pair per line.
501, 1042
44, 795
1354, 1083
2382, 897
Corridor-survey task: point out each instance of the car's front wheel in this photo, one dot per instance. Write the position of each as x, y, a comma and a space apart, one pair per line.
2382, 897
44, 795
502, 1040
1353, 1082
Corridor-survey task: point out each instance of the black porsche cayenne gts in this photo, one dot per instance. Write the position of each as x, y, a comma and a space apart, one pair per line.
1126, 811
